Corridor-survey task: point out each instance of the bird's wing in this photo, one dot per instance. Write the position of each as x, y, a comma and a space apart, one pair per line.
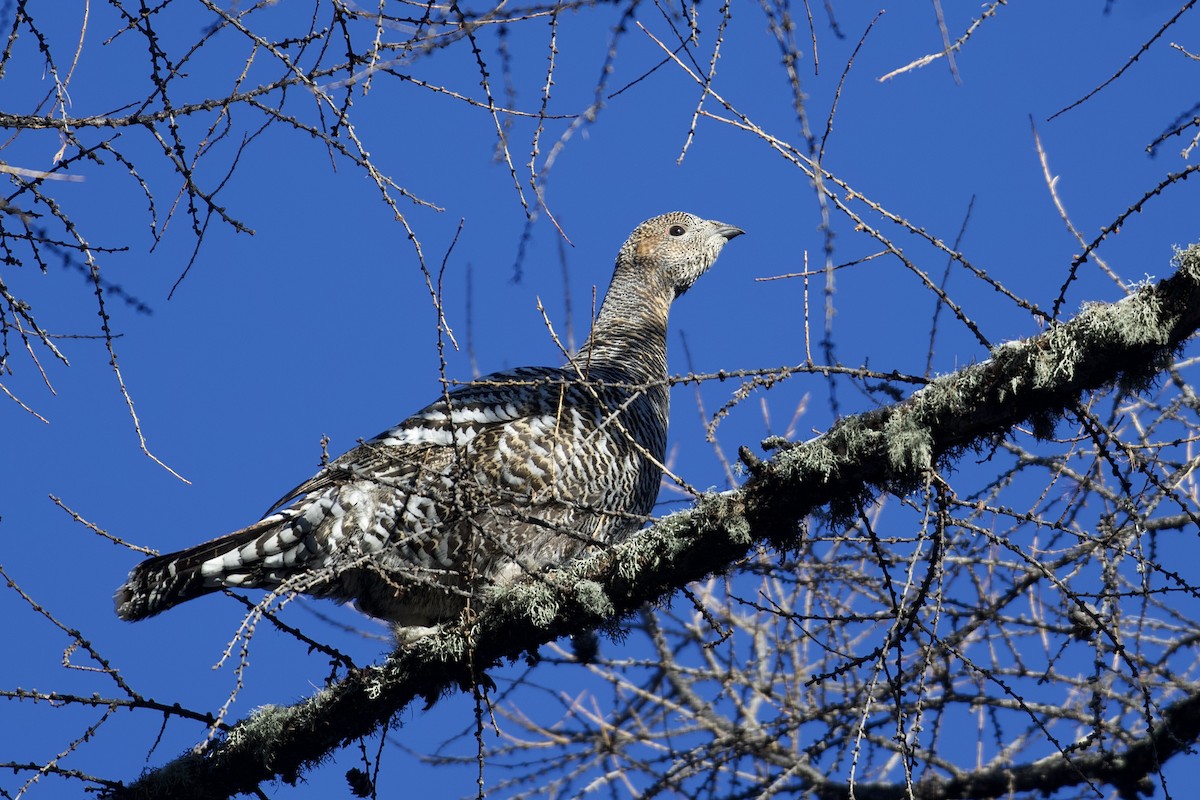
429, 439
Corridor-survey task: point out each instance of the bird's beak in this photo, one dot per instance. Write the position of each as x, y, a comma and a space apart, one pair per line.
728, 231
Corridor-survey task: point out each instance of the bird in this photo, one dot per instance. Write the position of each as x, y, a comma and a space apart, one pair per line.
502, 477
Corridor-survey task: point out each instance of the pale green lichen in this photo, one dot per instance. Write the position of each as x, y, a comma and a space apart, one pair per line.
909, 443
535, 601
812, 460
634, 553
593, 598
1054, 355
1136, 321
1187, 262
740, 530
449, 643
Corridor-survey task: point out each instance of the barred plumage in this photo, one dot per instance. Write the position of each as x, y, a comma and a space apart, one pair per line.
516, 472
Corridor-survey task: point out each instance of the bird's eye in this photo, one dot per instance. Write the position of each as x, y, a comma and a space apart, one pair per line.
677, 230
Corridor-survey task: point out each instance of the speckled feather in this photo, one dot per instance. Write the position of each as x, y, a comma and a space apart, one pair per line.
516, 472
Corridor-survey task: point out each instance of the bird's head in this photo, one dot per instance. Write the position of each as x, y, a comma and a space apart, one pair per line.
672, 250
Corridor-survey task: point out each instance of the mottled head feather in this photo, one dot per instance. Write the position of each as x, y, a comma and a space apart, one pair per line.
678, 246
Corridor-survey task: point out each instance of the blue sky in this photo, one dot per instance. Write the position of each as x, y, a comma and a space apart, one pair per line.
320, 323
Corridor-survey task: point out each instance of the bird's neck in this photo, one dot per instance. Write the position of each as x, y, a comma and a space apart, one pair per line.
629, 335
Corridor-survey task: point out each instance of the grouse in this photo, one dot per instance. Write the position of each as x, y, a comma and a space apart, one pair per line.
511, 474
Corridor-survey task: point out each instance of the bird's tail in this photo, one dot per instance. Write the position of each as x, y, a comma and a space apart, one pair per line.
164, 581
